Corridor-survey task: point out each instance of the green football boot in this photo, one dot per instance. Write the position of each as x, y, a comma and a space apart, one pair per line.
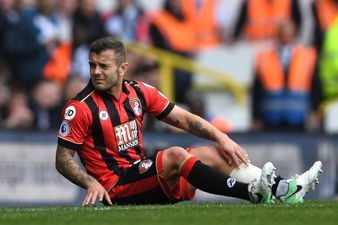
300, 185
260, 191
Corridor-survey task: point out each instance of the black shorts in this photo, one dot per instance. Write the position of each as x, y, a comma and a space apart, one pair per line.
142, 184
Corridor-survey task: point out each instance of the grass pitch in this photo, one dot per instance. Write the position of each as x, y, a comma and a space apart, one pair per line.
311, 212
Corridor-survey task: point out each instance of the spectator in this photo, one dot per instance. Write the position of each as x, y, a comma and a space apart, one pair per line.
45, 103
88, 26
128, 21
59, 64
73, 85
4, 98
258, 20
210, 19
329, 63
147, 71
324, 13
64, 15
6, 9
25, 54
17, 113
4, 88
286, 89
46, 21
172, 31
329, 79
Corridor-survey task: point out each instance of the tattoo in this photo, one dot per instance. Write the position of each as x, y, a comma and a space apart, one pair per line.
197, 128
177, 123
69, 168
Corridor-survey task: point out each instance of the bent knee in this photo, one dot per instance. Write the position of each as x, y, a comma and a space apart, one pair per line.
175, 155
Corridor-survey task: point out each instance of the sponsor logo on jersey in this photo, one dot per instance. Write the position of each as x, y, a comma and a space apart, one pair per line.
136, 106
64, 128
70, 113
231, 182
103, 115
126, 135
144, 165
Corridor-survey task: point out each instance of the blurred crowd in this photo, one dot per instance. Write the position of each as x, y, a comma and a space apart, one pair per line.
44, 54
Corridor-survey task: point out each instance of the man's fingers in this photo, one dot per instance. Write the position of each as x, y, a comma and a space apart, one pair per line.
106, 196
236, 162
87, 199
243, 158
94, 197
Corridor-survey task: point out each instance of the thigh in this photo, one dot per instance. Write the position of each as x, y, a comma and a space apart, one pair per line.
210, 156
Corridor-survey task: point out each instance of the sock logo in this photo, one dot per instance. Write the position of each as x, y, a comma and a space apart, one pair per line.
231, 182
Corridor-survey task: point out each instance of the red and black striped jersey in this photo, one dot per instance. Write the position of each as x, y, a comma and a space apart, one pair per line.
105, 131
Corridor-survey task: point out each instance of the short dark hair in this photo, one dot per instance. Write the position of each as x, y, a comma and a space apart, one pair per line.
109, 43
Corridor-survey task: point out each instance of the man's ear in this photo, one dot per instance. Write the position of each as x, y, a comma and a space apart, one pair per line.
123, 68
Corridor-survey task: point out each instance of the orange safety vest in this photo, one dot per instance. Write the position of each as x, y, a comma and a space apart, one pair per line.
286, 100
264, 17
58, 66
327, 12
301, 69
204, 19
179, 34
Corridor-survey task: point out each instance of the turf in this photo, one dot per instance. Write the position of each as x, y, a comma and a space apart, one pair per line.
311, 212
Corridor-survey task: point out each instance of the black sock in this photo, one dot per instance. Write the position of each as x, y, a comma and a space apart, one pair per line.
213, 181
274, 187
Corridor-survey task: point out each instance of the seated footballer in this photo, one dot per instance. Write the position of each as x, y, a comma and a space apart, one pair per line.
103, 125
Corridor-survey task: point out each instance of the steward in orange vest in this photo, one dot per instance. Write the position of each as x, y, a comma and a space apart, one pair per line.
172, 31
325, 13
208, 32
258, 19
284, 86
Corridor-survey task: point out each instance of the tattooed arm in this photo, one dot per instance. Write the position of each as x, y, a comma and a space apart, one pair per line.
194, 124
70, 169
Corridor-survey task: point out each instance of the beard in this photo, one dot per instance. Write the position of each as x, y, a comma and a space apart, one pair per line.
105, 83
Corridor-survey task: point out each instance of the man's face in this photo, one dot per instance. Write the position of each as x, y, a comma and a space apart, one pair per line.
105, 73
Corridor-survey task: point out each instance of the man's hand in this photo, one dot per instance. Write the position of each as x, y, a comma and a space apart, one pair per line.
233, 153
230, 150
95, 191
69, 168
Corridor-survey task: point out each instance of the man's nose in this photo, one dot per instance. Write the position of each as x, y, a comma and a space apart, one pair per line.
97, 70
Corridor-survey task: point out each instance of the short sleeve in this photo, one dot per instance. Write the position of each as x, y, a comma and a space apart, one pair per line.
158, 104
75, 124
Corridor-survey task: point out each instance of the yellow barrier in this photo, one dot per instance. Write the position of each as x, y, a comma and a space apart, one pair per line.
168, 61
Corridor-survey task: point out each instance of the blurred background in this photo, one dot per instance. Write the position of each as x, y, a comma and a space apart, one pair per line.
263, 71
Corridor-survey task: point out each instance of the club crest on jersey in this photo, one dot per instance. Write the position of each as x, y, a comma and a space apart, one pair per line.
126, 135
144, 165
136, 106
